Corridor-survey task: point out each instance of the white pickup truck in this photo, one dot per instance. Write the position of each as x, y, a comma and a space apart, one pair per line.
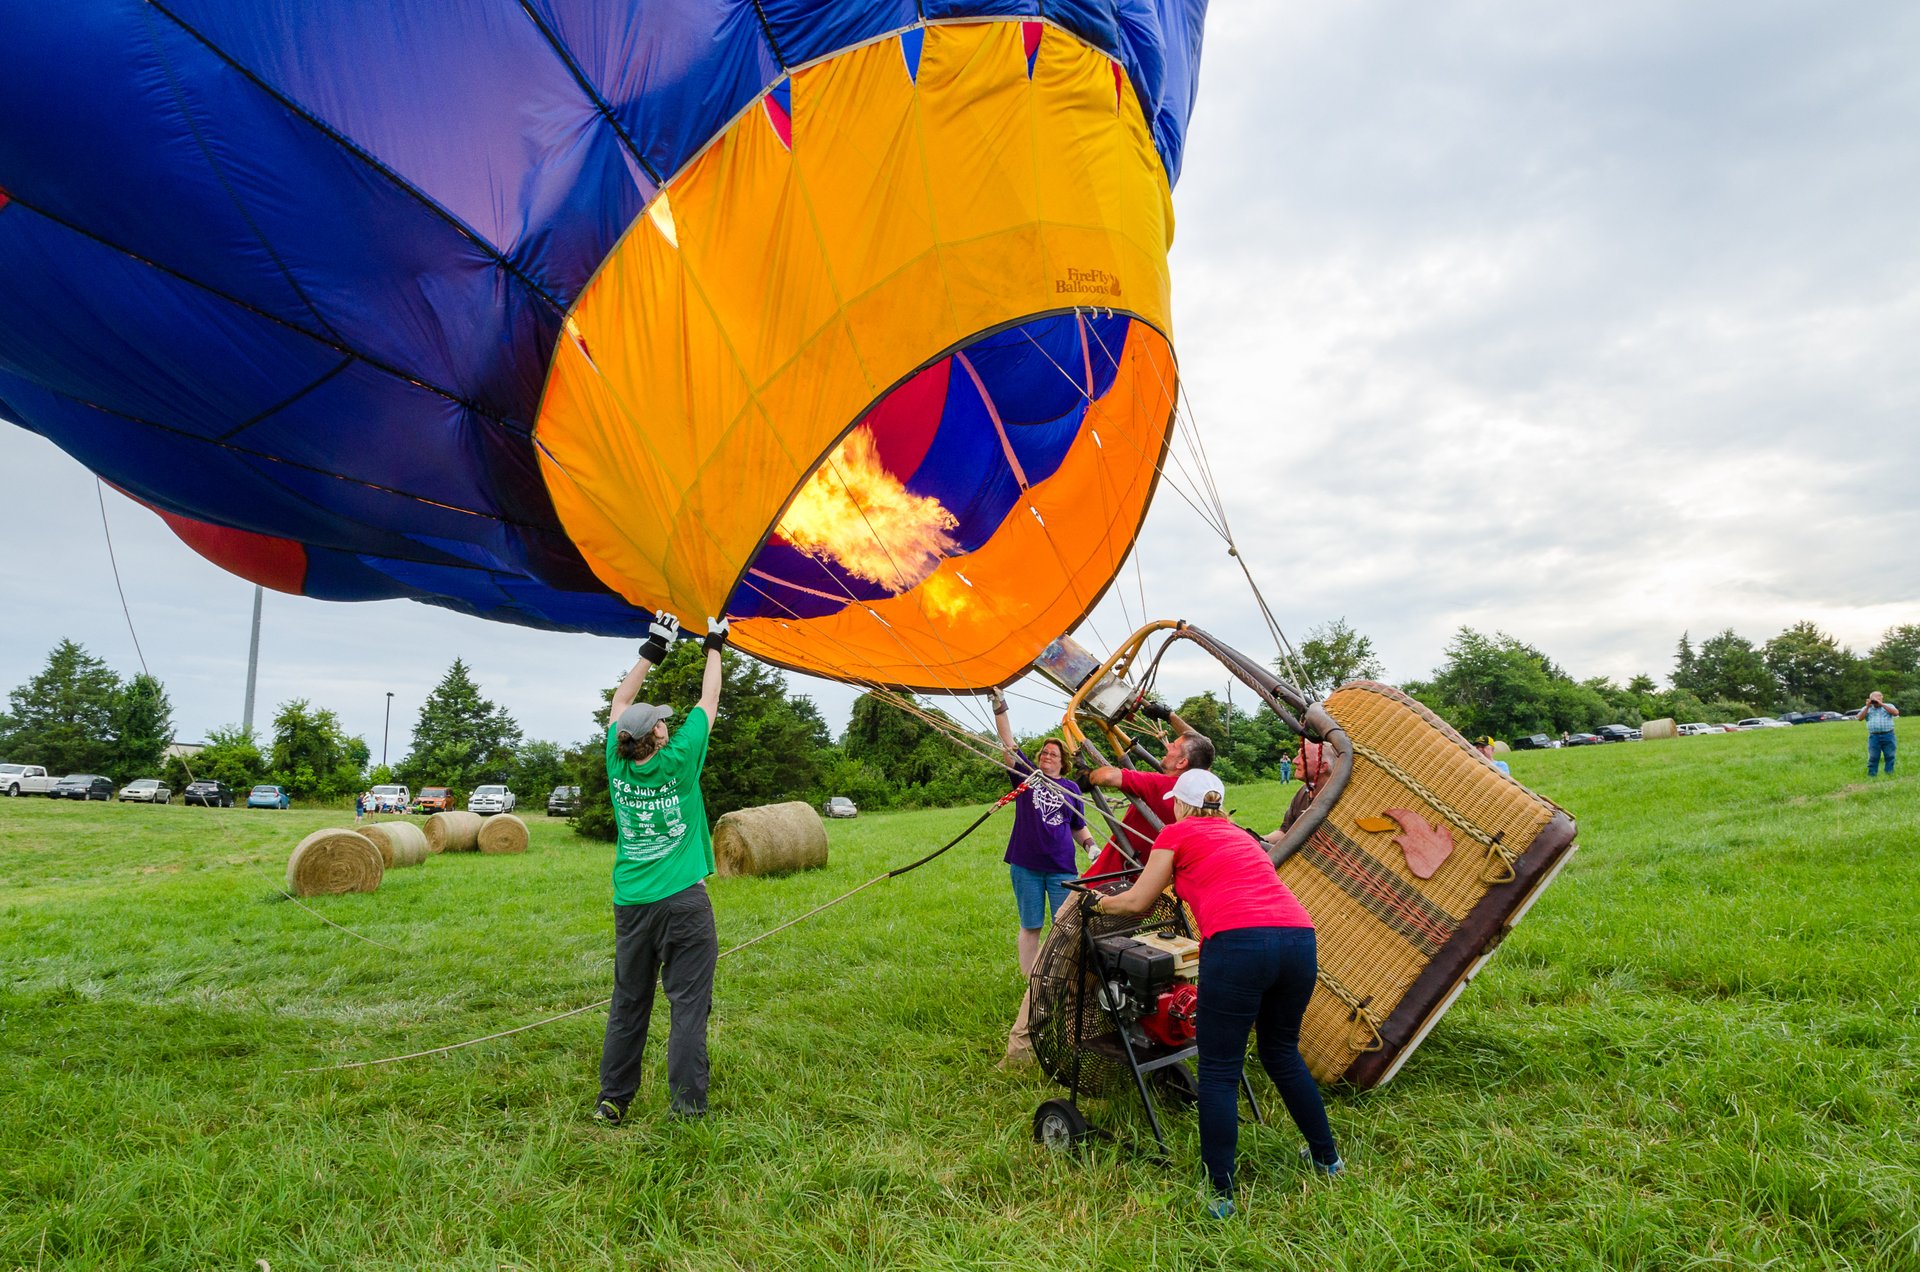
25, 779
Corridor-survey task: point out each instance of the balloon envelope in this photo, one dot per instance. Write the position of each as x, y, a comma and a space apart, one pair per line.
847, 320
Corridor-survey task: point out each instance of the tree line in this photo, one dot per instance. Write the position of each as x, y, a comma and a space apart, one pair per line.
1496, 685
769, 744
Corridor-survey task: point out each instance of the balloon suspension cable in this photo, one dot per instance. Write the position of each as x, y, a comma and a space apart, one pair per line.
186, 763
1207, 491
824, 906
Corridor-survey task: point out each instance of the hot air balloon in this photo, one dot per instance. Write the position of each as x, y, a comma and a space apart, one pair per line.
847, 320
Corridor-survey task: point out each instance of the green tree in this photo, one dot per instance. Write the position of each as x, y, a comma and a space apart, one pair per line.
1730, 668
460, 739
312, 755
538, 767
923, 766
1333, 653
1893, 667
1809, 665
143, 728
1686, 673
64, 718
1491, 686
230, 755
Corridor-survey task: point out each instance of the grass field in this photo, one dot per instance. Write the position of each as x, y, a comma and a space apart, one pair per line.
1702, 1049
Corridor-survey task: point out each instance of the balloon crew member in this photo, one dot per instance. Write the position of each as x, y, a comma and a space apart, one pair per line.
1187, 750
662, 919
1049, 817
1257, 971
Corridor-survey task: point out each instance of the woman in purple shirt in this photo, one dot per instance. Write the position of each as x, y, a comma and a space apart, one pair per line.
1048, 818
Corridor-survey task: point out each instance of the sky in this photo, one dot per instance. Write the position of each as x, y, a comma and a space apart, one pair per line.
1591, 326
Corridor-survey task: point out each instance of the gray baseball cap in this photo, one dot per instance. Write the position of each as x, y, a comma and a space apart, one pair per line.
638, 720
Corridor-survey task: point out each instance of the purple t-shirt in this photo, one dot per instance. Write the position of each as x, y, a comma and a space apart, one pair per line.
1044, 819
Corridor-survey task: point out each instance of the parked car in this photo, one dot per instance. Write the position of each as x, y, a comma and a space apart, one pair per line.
487, 800
1583, 739
1762, 722
1618, 733
1813, 717
1695, 730
83, 786
563, 801
390, 799
1532, 742
268, 797
433, 799
25, 779
839, 806
208, 794
1833, 715
148, 790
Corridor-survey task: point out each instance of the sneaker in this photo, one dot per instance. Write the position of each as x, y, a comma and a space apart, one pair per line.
1219, 1206
1338, 1167
609, 1112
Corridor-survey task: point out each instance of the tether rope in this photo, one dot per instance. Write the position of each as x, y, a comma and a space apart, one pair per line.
895, 873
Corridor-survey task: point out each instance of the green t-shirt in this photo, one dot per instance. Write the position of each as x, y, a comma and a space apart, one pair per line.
664, 846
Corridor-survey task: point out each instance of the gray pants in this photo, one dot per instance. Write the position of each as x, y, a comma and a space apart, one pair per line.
673, 940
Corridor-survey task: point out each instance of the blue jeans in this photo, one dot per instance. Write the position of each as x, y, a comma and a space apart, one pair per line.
1879, 746
1036, 894
1255, 980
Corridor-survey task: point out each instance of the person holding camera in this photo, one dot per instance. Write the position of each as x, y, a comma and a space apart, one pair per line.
663, 927
1879, 714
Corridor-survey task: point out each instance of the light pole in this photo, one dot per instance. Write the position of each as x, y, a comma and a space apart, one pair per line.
384, 728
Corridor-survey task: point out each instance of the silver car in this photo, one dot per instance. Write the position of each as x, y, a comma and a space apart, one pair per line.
148, 790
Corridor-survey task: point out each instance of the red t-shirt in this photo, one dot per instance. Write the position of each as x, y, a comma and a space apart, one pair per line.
1222, 872
1157, 790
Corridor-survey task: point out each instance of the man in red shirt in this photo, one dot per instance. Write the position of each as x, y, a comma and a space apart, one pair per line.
1187, 750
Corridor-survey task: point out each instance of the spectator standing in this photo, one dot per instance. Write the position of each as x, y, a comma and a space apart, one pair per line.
1879, 714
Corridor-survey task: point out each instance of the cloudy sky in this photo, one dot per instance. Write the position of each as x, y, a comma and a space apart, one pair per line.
1588, 325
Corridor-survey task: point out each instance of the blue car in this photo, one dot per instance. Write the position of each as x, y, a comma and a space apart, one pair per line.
268, 797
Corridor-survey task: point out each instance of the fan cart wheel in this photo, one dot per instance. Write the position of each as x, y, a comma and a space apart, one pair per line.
1177, 1086
1058, 1125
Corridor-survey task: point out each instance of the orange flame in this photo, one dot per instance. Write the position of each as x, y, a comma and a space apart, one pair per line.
852, 511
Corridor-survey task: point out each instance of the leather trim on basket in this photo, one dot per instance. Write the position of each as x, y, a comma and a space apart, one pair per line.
1481, 927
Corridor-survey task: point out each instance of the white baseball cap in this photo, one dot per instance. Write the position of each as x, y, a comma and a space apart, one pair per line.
1196, 787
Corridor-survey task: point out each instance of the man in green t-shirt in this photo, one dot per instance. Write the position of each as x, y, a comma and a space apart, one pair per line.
662, 920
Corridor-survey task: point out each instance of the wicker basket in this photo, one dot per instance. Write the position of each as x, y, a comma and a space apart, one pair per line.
1396, 947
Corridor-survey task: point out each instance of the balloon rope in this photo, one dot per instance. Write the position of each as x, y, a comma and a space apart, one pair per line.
185, 764
1197, 449
895, 873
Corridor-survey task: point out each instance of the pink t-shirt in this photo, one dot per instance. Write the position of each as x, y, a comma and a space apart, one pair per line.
1224, 874
1156, 789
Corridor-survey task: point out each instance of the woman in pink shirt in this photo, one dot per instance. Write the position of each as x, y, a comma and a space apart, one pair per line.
1257, 971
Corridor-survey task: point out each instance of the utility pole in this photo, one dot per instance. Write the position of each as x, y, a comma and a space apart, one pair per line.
253, 661
384, 728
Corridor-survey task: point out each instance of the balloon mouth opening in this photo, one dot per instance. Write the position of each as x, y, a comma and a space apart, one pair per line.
932, 469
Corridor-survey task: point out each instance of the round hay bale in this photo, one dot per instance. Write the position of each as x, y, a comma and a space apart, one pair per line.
401, 843
329, 862
772, 839
1658, 729
503, 832
453, 832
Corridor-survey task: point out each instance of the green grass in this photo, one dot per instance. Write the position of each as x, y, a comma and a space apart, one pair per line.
1699, 1050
